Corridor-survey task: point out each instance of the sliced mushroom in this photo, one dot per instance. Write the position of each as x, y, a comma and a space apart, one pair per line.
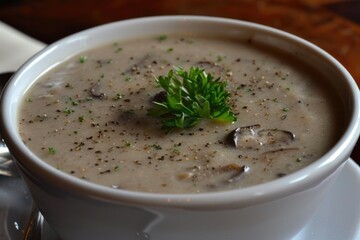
234, 168
97, 91
230, 167
237, 173
238, 170
190, 173
253, 137
244, 136
272, 136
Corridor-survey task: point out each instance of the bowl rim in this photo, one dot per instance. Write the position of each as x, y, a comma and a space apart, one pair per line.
298, 181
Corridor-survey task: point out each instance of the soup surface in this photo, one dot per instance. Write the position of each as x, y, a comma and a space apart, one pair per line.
88, 116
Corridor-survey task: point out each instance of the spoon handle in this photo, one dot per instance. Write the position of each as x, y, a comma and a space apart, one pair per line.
34, 227
7, 166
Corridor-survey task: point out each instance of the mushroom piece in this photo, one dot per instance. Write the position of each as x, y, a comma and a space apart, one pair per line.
97, 91
238, 170
272, 136
237, 173
232, 172
244, 136
253, 137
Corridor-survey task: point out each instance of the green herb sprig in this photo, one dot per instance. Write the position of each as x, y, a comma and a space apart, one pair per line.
191, 96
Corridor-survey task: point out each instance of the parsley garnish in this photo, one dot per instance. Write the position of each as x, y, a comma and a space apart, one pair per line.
82, 59
52, 150
162, 38
190, 97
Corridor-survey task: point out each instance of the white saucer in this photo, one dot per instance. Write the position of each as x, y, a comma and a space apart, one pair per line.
338, 218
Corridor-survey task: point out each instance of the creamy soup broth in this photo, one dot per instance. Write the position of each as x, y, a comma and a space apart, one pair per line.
88, 116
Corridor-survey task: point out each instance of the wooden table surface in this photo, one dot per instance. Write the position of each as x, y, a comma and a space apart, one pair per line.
334, 25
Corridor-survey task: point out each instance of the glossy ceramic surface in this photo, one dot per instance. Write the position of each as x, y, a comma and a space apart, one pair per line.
337, 218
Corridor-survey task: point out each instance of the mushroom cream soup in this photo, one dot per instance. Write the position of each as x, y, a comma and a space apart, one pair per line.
88, 116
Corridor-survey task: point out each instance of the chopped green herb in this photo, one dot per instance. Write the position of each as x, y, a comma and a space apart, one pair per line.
219, 58
190, 97
157, 146
127, 144
81, 119
52, 150
170, 50
68, 110
162, 38
74, 103
83, 59
118, 97
176, 151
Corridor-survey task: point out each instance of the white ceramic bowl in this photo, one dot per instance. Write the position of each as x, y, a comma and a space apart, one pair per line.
77, 209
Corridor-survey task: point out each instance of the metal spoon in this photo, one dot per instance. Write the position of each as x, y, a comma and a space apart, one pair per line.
6, 162
8, 168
